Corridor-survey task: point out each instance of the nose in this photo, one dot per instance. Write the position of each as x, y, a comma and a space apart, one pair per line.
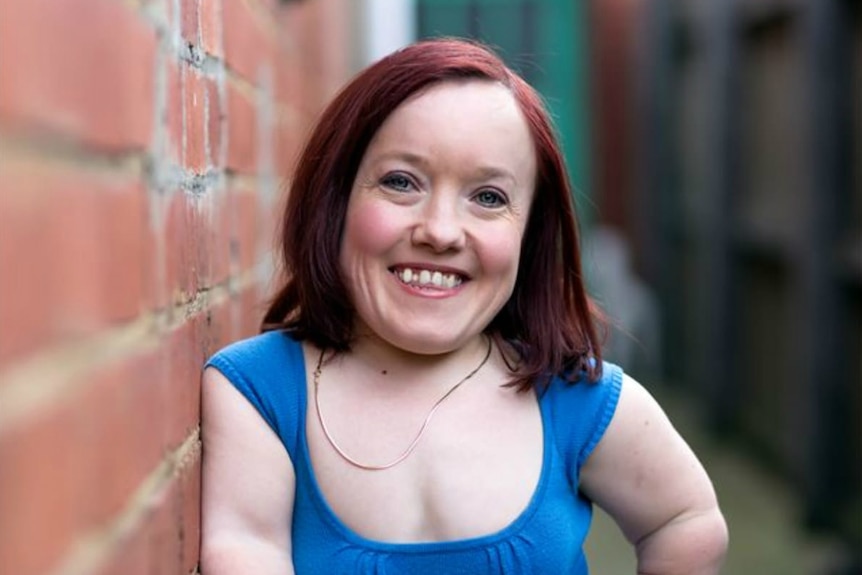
439, 225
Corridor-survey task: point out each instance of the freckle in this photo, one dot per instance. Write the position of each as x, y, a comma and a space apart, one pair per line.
384, 372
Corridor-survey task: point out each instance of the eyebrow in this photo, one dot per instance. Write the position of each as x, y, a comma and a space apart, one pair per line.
491, 173
408, 157
483, 172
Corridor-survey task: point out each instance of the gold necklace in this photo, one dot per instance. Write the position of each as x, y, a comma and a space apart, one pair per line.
416, 439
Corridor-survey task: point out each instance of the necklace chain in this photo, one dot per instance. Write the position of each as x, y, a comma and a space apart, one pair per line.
370, 467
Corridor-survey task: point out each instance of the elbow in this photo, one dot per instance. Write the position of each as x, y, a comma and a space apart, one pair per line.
709, 540
694, 544
716, 537
210, 562
217, 560
725, 535
228, 554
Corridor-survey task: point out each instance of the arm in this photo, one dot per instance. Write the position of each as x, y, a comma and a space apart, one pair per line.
648, 479
247, 487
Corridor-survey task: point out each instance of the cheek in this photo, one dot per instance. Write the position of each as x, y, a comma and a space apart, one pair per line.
501, 254
370, 229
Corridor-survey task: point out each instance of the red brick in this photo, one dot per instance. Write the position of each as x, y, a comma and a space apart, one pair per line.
333, 24
86, 254
175, 105
289, 81
155, 293
270, 5
199, 237
76, 242
190, 522
25, 281
124, 433
102, 232
148, 392
126, 410
289, 21
252, 308
215, 120
164, 540
184, 353
84, 69
311, 63
77, 463
129, 556
248, 46
221, 239
219, 326
241, 133
123, 213
190, 20
211, 27
268, 238
194, 114
144, 550
246, 228
187, 246
288, 145
161, 533
38, 521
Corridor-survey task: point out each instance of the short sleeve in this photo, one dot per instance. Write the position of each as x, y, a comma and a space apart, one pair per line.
580, 413
269, 371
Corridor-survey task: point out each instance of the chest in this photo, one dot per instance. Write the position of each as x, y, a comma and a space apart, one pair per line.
473, 472
545, 537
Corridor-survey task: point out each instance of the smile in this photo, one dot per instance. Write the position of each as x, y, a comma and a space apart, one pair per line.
428, 278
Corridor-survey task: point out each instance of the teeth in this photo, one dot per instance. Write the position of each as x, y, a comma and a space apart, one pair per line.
428, 278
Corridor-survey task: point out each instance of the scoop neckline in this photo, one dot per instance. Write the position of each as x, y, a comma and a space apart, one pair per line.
332, 518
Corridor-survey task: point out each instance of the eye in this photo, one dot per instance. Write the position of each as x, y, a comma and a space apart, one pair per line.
490, 198
397, 181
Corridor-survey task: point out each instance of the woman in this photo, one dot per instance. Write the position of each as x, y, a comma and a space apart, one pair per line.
428, 395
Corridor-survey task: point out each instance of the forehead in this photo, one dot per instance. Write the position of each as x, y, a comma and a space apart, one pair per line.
475, 121
479, 101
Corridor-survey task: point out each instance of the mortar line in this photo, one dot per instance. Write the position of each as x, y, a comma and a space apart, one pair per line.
243, 85
238, 181
94, 548
39, 381
259, 11
36, 382
60, 152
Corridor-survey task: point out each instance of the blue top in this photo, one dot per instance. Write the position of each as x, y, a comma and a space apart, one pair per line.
547, 537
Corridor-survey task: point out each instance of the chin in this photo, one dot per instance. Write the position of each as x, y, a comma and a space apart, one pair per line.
425, 344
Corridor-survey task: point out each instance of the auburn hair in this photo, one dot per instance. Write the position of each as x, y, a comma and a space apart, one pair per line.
549, 322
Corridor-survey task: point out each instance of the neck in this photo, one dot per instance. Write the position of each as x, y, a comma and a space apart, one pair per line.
375, 355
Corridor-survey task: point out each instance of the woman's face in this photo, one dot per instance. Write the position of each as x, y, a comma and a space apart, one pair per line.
436, 214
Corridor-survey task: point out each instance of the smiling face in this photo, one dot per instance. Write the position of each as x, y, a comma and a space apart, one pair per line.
433, 230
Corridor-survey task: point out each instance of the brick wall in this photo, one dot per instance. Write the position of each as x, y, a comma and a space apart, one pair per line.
143, 149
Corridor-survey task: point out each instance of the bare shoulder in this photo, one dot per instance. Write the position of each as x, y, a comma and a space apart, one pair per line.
248, 480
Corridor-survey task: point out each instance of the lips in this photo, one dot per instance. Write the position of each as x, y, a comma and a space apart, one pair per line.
429, 278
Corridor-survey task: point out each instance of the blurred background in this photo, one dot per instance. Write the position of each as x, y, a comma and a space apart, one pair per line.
144, 144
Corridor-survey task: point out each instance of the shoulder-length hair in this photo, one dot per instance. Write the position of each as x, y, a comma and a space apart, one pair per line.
549, 321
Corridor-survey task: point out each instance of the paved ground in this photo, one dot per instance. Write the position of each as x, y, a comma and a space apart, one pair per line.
762, 515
